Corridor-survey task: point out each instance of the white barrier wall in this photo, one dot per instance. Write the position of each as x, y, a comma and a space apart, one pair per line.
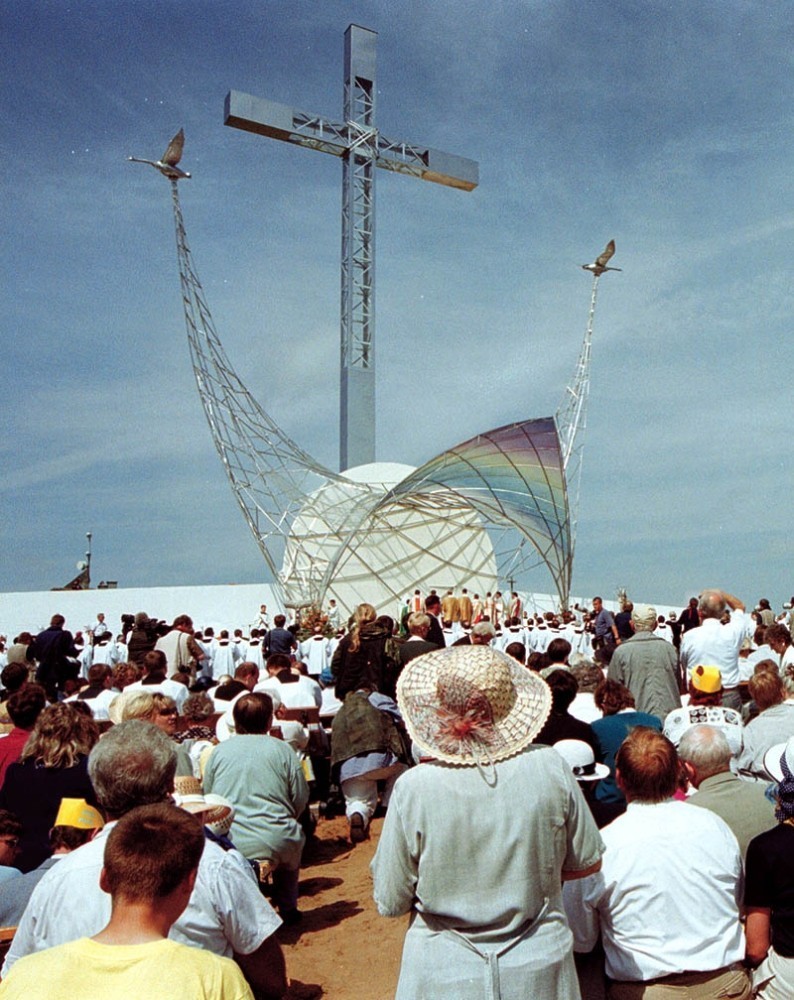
227, 606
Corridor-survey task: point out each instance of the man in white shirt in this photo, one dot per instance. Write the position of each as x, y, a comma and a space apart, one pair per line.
294, 689
334, 614
668, 894
181, 650
716, 644
154, 679
261, 621
132, 765
99, 626
100, 691
104, 649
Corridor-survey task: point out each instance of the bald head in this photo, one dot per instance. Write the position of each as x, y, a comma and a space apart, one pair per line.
711, 604
706, 751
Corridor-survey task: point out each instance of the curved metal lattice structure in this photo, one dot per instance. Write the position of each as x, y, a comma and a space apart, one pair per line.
270, 474
489, 509
514, 479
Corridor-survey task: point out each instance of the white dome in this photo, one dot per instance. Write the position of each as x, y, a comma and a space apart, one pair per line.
393, 552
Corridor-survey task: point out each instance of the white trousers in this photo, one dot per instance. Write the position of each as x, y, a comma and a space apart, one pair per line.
774, 978
361, 793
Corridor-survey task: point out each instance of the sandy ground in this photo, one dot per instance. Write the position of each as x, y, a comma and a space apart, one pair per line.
342, 949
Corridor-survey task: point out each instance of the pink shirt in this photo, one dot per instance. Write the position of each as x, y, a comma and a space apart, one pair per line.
10, 749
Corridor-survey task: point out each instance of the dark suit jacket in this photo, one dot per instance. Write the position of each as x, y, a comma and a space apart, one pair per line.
435, 633
412, 648
689, 618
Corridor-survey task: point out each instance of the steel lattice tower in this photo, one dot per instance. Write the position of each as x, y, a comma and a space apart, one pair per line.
362, 148
571, 419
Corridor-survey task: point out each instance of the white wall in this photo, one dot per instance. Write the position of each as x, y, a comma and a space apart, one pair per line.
228, 606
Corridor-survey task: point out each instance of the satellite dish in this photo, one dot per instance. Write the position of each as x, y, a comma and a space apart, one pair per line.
82, 565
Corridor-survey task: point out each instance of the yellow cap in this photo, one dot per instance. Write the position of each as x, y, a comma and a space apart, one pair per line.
707, 679
78, 813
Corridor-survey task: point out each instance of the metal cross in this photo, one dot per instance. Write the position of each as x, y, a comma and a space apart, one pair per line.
362, 148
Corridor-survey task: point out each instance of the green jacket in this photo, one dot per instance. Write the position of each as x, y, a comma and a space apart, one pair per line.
359, 727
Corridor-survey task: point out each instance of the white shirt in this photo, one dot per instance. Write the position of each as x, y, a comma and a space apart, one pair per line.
716, 645
226, 911
583, 707
747, 664
331, 704
315, 653
664, 632
173, 689
105, 652
303, 693
224, 659
253, 653
515, 633
99, 706
667, 896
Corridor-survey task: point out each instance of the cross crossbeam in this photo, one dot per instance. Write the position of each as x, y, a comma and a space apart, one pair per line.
361, 148
279, 121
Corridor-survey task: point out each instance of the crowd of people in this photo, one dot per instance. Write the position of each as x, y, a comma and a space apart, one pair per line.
576, 802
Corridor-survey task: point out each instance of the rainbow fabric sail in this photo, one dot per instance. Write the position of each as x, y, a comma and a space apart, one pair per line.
514, 478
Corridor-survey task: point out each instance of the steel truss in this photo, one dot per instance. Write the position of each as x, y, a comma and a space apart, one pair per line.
493, 507
571, 419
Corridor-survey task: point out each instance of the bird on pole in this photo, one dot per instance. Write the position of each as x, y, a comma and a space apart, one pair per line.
171, 157
599, 265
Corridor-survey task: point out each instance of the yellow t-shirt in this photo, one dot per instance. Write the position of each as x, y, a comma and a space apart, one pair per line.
158, 970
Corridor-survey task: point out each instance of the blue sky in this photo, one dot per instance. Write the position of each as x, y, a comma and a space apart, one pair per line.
666, 126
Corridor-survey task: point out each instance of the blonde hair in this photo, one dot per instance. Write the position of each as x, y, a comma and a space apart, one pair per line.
145, 705
62, 735
363, 615
124, 674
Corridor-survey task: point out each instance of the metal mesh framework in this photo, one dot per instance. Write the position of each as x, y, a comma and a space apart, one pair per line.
571, 419
270, 474
314, 526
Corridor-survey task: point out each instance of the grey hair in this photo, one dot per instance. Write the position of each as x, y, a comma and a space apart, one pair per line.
484, 628
417, 622
133, 764
707, 749
788, 680
711, 604
588, 676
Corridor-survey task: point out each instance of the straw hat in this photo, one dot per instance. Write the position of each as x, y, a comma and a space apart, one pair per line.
471, 705
218, 812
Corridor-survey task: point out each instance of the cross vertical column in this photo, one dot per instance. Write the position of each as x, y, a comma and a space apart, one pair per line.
362, 150
357, 347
